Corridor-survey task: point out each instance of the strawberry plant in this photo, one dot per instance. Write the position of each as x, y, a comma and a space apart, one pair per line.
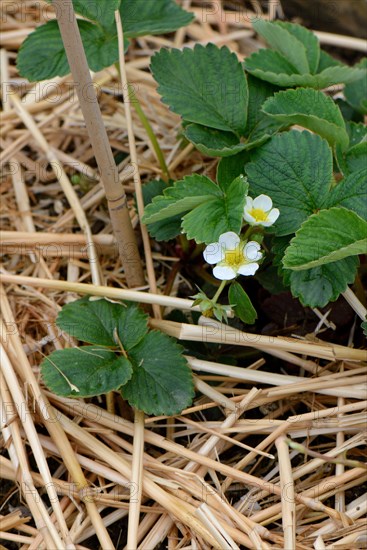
250, 116
290, 191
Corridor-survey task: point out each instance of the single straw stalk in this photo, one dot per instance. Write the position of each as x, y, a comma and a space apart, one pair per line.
115, 194
135, 163
287, 487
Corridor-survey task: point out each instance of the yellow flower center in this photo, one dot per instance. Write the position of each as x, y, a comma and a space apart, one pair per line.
234, 258
259, 215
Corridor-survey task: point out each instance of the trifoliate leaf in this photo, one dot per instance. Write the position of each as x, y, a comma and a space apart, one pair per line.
241, 304
295, 170
284, 42
205, 85
103, 322
162, 381
328, 236
311, 109
318, 286
85, 371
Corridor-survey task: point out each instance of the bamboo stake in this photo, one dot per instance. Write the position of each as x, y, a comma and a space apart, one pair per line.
115, 193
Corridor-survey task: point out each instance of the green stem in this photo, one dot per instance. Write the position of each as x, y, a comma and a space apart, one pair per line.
219, 292
149, 130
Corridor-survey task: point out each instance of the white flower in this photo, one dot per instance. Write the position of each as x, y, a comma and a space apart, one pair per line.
232, 256
260, 211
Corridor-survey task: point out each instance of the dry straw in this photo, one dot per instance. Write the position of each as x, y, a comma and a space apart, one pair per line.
270, 454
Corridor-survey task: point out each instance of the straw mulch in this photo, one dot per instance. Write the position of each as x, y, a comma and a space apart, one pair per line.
269, 456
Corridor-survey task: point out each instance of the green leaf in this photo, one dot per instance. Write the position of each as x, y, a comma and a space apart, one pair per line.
356, 158
183, 196
308, 39
102, 11
272, 67
230, 168
364, 327
318, 286
212, 142
241, 304
357, 133
168, 228
216, 143
268, 62
351, 193
328, 236
85, 371
98, 322
141, 17
162, 381
355, 92
326, 61
46, 47
209, 220
284, 42
205, 85
259, 91
311, 109
295, 170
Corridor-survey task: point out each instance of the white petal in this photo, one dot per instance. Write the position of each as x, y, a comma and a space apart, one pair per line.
224, 273
252, 251
228, 240
248, 269
263, 202
249, 204
213, 253
248, 218
273, 215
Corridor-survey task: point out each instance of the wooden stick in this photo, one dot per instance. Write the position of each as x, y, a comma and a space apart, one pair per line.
115, 193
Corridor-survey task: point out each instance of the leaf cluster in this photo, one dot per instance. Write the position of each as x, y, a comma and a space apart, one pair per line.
146, 366
246, 114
